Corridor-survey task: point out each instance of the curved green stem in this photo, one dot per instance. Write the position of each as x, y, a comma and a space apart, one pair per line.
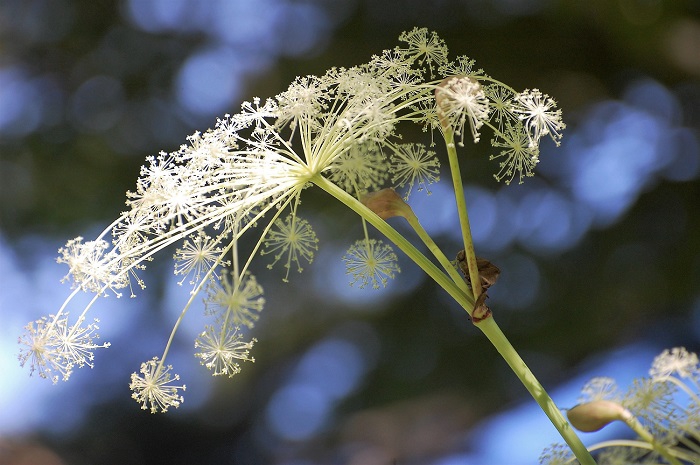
676, 452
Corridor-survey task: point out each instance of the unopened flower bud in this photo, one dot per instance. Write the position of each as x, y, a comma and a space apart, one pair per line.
386, 203
593, 416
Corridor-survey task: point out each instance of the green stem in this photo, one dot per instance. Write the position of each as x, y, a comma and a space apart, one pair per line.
681, 454
443, 280
462, 211
437, 253
492, 331
645, 435
488, 326
494, 334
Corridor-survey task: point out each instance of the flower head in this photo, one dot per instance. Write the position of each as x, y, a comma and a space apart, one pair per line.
222, 348
235, 299
461, 99
599, 388
92, 267
52, 347
518, 157
372, 262
414, 165
427, 48
361, 168
153, 387
557, 454
675, 362
292, 240
197, 255
540, 115
41, 350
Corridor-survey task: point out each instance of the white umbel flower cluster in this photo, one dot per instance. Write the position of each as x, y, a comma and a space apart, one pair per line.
246, 176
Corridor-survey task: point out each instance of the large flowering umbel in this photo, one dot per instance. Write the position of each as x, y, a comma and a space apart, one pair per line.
245, 176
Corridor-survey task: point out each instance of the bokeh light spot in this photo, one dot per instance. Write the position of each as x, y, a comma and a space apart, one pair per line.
334, 366
297, 411
208, 81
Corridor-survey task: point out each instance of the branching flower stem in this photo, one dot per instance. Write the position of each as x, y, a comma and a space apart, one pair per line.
462, 211
437, 253
634, 424
675, 452
231, 247
493, 332
186, 308
461, 294
443, 280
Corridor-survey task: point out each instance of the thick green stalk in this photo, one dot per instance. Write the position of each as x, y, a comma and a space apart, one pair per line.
488, 326
494, 334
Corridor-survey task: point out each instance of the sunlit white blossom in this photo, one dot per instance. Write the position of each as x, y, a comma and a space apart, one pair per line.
220, 350
52, 347
675, 362
197, 255
153, 387
461, 101
92, 266
234, 192
540, 116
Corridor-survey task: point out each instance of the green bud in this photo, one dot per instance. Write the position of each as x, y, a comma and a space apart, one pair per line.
593, 416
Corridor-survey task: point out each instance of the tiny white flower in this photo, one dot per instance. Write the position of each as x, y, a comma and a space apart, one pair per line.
675, 362
222, 348
370, 261
540, 115
461, 99
153, 387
